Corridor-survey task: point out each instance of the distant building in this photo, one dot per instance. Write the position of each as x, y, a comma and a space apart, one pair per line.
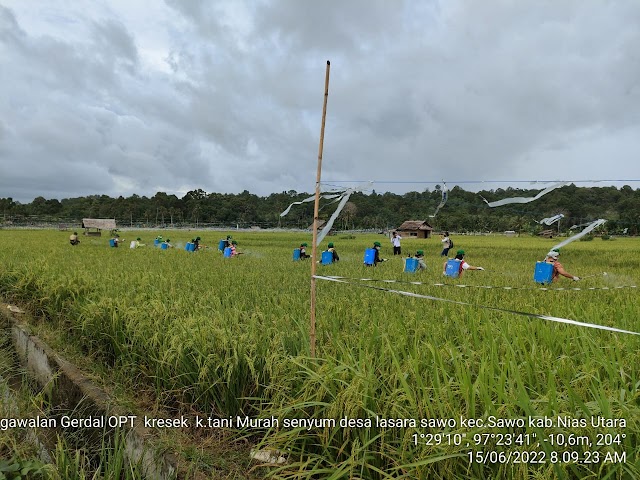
510, 233
415, 228
98, 224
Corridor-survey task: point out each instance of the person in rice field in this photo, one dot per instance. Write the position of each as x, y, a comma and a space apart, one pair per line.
395, 241
167, 242
234, 249
558, 269
447, 244
73, 239
376, 259
117, 240
464, 266
420, 257
331, 248
303, 251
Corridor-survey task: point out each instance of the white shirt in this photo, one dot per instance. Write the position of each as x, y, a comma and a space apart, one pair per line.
396, 240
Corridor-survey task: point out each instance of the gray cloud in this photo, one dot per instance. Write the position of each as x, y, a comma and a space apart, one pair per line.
227, 96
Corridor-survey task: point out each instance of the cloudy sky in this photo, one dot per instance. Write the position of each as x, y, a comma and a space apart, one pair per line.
130, 96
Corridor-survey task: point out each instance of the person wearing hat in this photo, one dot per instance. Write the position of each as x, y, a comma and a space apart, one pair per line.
196, 243
377, 259
303, 251
116, 240
168, 243
420, 257
558, 269
331, 248
234, 248
73, 239
464, 266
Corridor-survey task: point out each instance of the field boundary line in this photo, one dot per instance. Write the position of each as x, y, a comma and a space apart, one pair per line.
488, 287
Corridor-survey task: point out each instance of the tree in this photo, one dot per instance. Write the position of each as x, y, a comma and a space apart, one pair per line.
347, 214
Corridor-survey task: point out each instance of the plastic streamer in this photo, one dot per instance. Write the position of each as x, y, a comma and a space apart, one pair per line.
310, 199
458, 302
551, 220
338, 195
593, 225
506, 201
445, 194
327, 227
573, 227
488, 287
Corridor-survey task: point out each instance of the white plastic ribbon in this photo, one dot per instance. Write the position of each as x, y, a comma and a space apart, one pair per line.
506, 201
339, 195
457, 302
489, 287
551, 220
327, 227
445, 195
306, 200
593, 225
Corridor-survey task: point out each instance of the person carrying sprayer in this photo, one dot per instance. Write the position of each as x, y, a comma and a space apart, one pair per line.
332, 249
73, 239
464, 266
420, 257
234, 249
137, 243
116, 240
376, 258
558, 269
303, 251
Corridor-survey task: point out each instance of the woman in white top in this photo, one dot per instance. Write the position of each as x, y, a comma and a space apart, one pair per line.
447, 244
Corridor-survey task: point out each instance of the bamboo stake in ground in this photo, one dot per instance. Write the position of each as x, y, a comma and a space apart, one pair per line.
312, 331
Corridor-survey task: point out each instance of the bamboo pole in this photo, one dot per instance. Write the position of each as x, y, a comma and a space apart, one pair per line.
316, 205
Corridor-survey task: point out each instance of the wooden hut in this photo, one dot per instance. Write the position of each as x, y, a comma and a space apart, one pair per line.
98, 224
415, 229
547, 233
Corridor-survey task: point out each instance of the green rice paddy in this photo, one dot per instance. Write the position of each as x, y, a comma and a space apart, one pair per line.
400, 387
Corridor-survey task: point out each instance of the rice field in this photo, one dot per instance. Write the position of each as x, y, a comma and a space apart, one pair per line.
401, 387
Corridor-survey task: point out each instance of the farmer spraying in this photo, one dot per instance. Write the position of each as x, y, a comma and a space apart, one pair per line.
73, 239
558, 269
303, 251
234, 249
455, 268
334, 253
376, 258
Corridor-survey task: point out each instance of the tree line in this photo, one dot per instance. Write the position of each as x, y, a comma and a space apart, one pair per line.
464, 211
